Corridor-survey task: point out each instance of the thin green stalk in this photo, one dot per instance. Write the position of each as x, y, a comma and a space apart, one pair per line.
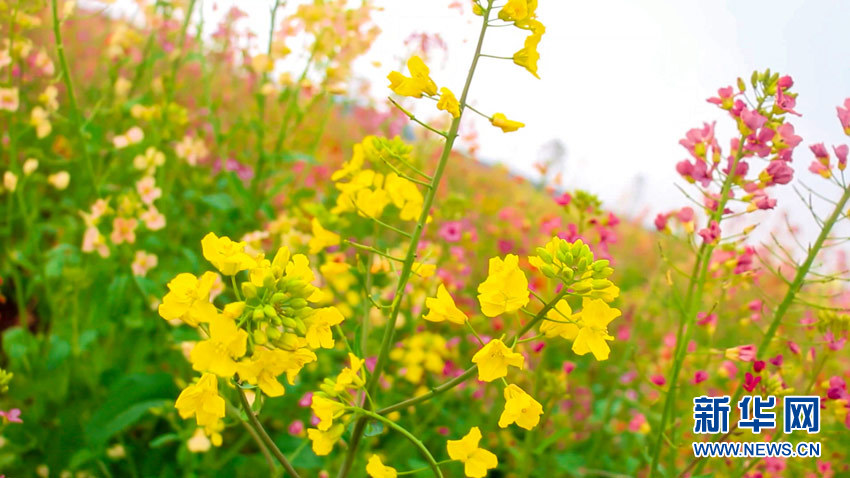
259, 441
76, 116
258, 427
692, 302
430, 194
395, 426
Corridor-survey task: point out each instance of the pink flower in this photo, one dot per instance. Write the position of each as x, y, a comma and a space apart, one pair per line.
752, 119
724, 98
123, 230
12, 416
750, 382
658, 379
451, 231
794, 348
758, 366
779, 172
844, 116
569, 367
745, 261
700, 376
841, 154
786, 102
686, 214
306, 400
146, 187
762, 201
706, 319
661, 221
776, 361
710, 234
93, 240
785, 82
143, 262
296, 428
835, 343
564, 199
742, 353
153, 219
637, 423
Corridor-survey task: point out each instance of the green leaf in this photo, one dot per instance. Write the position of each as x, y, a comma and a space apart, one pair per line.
374, 428
163, 440
220, 201
129, 399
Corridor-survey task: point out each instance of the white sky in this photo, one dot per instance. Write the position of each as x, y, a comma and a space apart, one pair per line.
623, 80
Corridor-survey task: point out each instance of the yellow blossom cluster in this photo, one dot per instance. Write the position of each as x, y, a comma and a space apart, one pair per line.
272, 329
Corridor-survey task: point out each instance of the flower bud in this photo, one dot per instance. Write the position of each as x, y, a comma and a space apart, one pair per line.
258, 314
544, 255
269, 311
249, 290
260, 337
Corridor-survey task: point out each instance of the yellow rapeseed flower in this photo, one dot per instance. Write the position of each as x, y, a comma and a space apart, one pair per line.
201, 400
323, 441
376, 468
188, 299
263, 368
500, 121
448, 102
594, 317
326, 410
443, 308
227, 256
559, 322
493, 360
418, 84
322, 238
218, 354
505, 289
520, 408
319, 325
476, 460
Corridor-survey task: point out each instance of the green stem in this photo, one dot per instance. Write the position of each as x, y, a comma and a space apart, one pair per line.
259, 441
69, 86
387, 339
258, 427
692, 302
435, 467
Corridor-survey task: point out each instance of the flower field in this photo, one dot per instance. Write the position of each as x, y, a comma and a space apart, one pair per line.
226, 258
